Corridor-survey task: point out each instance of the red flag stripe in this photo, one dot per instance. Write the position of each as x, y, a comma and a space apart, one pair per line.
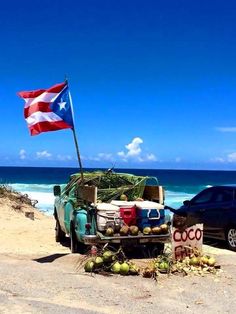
39, 106
41, 117
44, 97
46, 126
35, 93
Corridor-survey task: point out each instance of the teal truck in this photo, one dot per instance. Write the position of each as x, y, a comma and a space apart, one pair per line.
108, 207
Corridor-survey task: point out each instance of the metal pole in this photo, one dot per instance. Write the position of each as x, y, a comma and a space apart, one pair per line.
78, 156
75, 137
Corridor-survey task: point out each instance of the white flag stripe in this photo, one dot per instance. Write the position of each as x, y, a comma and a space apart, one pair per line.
41, 117
44, 97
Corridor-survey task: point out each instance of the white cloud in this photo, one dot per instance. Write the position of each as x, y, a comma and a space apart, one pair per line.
43, 154
151, 157
226, 129
218, 160
133, 148
134, 151
64, 157
22, 154
101, 157
231, 157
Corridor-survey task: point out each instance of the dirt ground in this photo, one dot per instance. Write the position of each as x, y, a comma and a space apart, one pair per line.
38, 275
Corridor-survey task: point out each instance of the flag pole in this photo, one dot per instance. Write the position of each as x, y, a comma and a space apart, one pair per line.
75, 138
78, 155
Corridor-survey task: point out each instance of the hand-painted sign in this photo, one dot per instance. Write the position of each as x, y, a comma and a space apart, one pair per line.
183, 241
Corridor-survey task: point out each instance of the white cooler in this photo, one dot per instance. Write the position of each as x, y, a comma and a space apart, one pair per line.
107, 215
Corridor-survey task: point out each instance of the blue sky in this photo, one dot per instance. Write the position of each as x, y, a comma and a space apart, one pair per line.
153, 82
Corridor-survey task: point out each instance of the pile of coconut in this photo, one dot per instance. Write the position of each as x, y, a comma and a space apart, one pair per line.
134, 230
115, 262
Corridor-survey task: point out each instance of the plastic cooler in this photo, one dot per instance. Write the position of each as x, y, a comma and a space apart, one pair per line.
107, 215
127, 212
149, 214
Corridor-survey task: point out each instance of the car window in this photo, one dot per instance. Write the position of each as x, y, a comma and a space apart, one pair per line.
223, 196
203, 197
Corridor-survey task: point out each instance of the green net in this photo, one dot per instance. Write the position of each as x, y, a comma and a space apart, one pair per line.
111, 185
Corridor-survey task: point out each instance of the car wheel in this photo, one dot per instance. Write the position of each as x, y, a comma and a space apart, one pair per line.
59, 234
231, 238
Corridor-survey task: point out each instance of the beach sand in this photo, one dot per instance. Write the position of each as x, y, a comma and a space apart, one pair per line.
38, 275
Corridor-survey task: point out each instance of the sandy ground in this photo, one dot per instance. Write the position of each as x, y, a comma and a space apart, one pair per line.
38, 275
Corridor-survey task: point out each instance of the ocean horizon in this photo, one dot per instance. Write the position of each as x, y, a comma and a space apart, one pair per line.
179, 185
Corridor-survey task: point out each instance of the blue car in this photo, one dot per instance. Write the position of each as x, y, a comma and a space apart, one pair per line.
215, 207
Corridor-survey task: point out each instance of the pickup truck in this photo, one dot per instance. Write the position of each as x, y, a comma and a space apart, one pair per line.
78, 214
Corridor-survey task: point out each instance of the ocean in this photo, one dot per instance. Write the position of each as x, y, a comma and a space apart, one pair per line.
179, 185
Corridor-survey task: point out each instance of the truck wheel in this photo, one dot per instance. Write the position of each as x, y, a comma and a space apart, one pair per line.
75, 245
154, 249
59, 234
73, 241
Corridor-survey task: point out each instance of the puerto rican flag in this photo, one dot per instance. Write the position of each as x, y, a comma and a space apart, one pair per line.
48, 109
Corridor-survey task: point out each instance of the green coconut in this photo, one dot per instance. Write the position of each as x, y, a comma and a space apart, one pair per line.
194, 261
133, 269
124, 268
163, 266
89, 266
109, 232
116, 268
123, 197
164, 228
98, 262
147, 230
107, 256
134, 230
124, 231
211, 261
156, 230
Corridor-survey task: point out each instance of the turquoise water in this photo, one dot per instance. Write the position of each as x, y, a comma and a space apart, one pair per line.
179, 185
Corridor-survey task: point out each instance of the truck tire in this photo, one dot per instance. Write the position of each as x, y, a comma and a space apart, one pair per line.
75, 245
154, 249
59, 234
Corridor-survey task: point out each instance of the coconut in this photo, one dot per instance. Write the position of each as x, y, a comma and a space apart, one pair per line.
163, 266
194, 261
107, 256
156, 230
123, 197
89, 266
109, 232
133, 230
147, 230
133, 269
116, 268
204, 260
124, 231
164, 228
98, 262
211, 261
124, 269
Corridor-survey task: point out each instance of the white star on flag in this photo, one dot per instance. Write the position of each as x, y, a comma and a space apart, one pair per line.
62, 104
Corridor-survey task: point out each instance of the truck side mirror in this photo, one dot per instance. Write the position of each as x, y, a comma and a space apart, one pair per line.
57, 190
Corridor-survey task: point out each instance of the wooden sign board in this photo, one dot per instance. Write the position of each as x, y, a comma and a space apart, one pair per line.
183, 241
87, 193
